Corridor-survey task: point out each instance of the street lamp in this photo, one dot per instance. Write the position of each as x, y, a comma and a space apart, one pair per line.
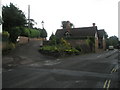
42, 24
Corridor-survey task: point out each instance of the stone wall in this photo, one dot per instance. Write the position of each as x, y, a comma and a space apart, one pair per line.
23, 40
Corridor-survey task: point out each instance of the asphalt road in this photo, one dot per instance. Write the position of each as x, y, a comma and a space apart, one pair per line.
30, 69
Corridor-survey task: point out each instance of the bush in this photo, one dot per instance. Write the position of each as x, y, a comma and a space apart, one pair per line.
61, 49
58, 50
5, 36
78, 48
14, 33
8, 46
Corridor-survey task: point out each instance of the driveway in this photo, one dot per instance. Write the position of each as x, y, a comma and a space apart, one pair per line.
24, 54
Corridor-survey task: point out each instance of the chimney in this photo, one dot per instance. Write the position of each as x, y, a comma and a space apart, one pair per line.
93, 24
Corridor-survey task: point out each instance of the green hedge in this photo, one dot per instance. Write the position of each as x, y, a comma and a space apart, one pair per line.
34, 33
30, 32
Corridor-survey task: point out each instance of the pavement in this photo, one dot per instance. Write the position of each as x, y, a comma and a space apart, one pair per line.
25, 67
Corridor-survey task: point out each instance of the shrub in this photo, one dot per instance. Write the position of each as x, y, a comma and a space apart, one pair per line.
78, 48
58, 50
9, 46
14, 33
5, 36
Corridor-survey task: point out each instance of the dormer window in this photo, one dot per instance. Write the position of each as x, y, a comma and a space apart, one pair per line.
67, 34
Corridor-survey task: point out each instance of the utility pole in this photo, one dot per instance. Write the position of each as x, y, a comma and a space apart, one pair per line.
29, 21
28, 16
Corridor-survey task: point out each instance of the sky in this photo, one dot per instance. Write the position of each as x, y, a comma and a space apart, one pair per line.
82, 13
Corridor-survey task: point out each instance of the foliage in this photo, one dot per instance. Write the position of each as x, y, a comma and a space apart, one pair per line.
31, 23
90, 42
14, 33
53, 40
11, 46
12, 17
62, 48
25, 32
43, 33
106, 35
30, 32
59, 49
34, 33
5, 36
64, 42
7, 47
78, 48
112, 41
67, 24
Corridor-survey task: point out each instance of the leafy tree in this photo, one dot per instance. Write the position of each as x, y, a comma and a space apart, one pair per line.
14, 33
106, 35
43, 33
113, 40
32, 23
12, 17
67, 24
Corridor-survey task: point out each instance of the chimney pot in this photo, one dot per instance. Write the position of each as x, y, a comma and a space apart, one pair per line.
93, 24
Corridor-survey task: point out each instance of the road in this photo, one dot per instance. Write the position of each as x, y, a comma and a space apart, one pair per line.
30, 69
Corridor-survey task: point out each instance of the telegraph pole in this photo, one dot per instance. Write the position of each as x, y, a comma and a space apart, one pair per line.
28, 16
28, 21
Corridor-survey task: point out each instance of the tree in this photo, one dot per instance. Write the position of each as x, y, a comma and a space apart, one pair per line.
14, 33
12, 17
113, 41
54, 40
67, 24
32, 22
43, 33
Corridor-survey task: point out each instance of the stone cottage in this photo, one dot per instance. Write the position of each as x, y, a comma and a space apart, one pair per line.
79, 36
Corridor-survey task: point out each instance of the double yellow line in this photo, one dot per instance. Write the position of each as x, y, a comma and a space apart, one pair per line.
107, 84
113, 70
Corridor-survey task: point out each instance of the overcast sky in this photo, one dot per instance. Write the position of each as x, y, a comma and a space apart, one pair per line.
82, 13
